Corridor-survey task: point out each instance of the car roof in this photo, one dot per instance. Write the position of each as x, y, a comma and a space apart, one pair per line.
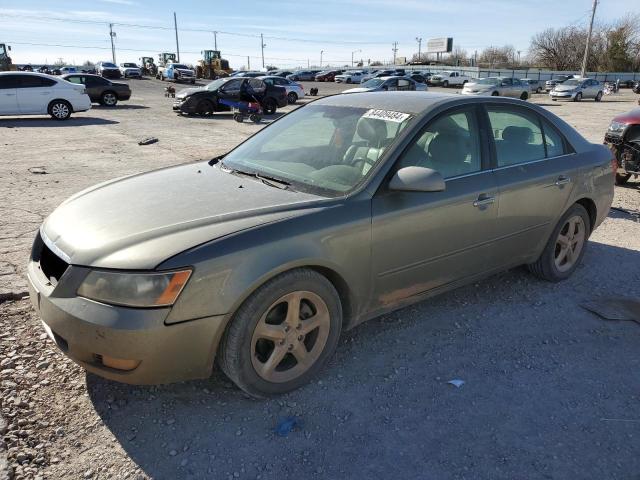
408, 102
34, 74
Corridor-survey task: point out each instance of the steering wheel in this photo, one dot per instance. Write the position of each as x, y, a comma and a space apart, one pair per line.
359, 163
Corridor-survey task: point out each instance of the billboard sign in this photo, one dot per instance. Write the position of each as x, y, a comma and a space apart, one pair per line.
439, 45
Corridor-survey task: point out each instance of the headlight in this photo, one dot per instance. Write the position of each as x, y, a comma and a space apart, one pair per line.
134, 289
617, 127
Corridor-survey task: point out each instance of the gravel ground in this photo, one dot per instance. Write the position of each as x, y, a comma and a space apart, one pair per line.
551, 391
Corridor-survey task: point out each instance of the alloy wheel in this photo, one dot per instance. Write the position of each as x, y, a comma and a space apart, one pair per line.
109, 99
569, 243
60, 110
290, 336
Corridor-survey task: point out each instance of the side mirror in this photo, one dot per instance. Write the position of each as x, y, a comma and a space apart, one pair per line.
417, 179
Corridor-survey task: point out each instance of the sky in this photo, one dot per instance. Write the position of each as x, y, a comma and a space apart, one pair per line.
295, 31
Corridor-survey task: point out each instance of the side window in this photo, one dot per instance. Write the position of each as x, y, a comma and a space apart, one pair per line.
517, 135
450, 144
8, 81
76, 80
269, 81
553, 141
403, 84
232, 86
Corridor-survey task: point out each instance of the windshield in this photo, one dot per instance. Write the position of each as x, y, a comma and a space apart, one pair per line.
373, 83
573, 82
488, 81
322, 149
179, 65
216, 84
129, 65
109, 65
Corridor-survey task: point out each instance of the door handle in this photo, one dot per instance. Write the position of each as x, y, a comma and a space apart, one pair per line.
484, 200
562, 180
10, 94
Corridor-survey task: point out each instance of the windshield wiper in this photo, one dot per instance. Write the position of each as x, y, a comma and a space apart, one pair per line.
266, 179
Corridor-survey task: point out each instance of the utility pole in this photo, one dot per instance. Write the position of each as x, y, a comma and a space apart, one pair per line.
248, 63
321, 52
215, 40
518, 57
262, 45
355, 51
419, 40
395, 51
588, 46
175, 25
112, 35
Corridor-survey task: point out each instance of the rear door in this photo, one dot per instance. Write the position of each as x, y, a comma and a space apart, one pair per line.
534, 170
35, 93
424, 240
8, 95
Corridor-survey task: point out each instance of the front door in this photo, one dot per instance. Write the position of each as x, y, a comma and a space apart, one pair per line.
8, 95
533, 172
424, 240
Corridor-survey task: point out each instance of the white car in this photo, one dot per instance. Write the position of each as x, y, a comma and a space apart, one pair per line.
29, 93
446, 79
350, 77
294, 90
108, 70
497, 87
128, 70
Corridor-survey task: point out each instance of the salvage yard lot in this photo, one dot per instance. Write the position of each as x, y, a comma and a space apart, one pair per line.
551, 391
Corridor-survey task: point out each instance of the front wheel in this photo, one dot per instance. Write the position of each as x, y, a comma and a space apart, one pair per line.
60, 110
348, 80
204, 107
578, 97
445, 84
524, 96
283, 334
495, 94
565, 248
598, 97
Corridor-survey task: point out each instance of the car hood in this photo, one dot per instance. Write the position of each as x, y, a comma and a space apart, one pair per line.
183, 70
137, 222
359, 89
190, 91
566, 88
630, 118
110, 68
479, 86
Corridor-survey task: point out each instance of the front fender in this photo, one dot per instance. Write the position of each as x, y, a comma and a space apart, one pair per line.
228, 270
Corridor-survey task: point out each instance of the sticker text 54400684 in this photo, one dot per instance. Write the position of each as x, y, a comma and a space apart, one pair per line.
388, 115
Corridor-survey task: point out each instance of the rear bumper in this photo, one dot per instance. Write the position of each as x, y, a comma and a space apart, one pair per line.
92, 334
124, 95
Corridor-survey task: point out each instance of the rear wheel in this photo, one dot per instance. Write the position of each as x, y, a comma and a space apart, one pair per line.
495, 94
566, 246
598, 97
60, 110
292, 97
283, 334
270, 106
524, 96
109, 99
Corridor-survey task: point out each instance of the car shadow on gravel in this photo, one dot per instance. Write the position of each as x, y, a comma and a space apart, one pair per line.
547, 384
120, 106
48, 122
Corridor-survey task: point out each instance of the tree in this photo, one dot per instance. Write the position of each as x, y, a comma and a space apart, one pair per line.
271, 67
458, 56
498, 56
376, 63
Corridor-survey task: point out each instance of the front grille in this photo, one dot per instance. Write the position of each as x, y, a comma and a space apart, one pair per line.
51, 264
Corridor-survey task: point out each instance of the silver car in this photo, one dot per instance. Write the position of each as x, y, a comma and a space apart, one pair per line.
388, 84
576, 89
535, 86
497, 87
294, 90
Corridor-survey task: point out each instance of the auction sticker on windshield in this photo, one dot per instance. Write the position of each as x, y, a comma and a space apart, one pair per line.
388, 115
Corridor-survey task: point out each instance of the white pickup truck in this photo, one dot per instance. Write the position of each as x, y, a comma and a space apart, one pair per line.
446, 79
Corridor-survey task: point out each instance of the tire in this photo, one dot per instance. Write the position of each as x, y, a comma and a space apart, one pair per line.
598, 97
204, 107
292, 97
465, 82
539, 90
244, 354
578, 97
109, 99
445, 84
524, 96
348, 80
622, 178
546, 267
193, 81
60, 110
270, 106
495, 94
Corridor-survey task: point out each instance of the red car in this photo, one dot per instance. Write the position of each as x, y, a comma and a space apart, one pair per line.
328, 75
623, 137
